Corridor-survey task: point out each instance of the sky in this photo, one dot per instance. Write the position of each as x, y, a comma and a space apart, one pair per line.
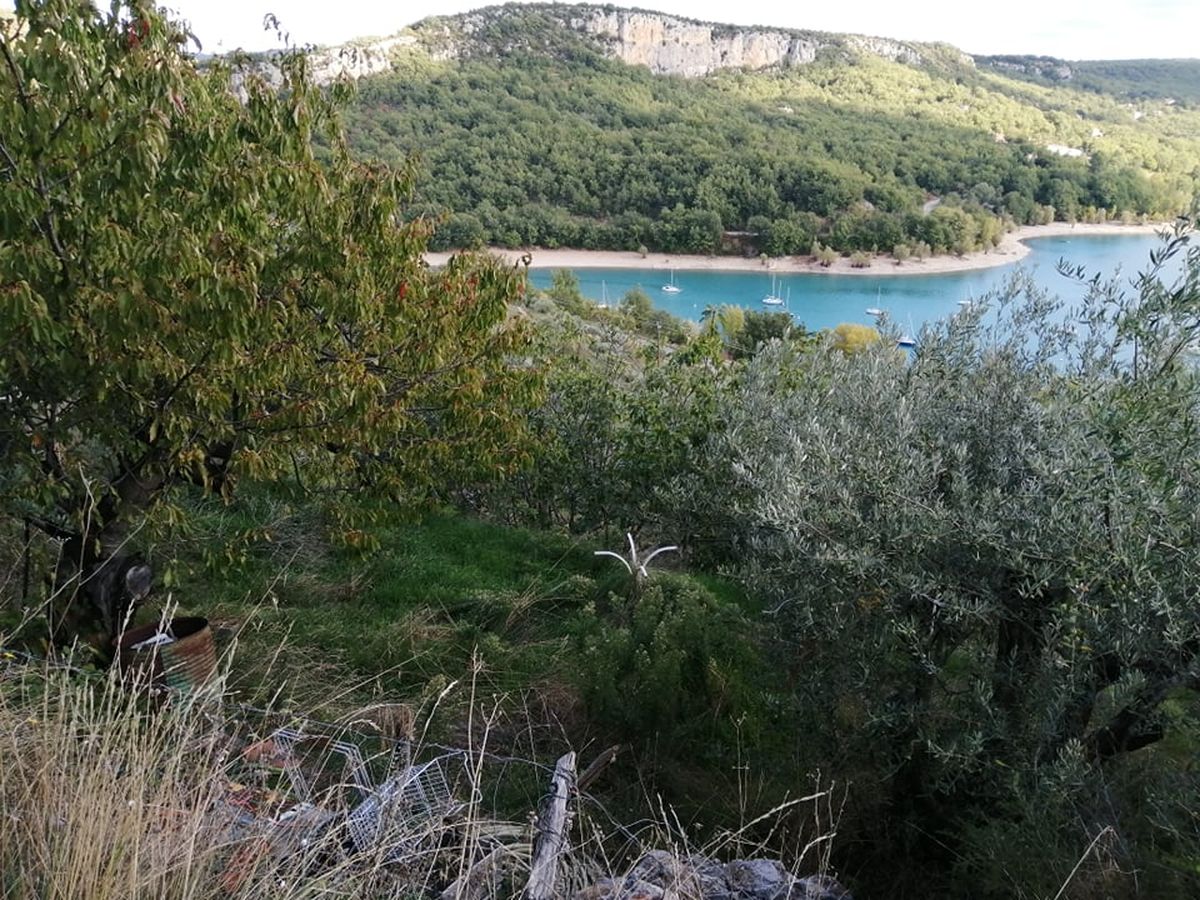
1069, 29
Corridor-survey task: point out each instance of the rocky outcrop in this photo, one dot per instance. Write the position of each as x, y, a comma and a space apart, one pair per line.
359, 59
1046, 67
666, 45
670, 46
661, 876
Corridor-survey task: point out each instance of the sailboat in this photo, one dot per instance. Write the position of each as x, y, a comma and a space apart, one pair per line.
907, 340
773, 298
604, 295
672, 287
876, 310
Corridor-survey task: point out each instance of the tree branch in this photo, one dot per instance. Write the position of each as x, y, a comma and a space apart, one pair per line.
1134, 727
1138, 724
8, 158
46, 225
50, 528
18, 84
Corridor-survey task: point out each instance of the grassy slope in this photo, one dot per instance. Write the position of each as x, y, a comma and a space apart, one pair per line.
401, 619
455, 617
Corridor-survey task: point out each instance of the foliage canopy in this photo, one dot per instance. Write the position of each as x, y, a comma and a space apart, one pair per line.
532, 131
190, 295
986, 555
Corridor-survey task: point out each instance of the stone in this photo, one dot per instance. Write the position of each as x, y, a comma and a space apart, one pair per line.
709, 878
657, 867
758, 879
660, 875
819, 887
636, 889
676, 877
601, 890
626, 889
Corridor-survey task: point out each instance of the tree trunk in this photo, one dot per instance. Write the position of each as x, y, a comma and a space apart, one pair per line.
1020, 646
98, 585
99, 579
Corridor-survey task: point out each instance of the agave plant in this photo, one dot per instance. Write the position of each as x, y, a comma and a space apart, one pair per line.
636, 567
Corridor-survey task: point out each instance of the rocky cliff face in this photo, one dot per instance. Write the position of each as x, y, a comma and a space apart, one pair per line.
667, 45
671, 46
359, 60
1039, 66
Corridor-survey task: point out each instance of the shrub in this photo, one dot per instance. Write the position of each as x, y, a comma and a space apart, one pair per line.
673, 662
826, 256
987, 549
852, 337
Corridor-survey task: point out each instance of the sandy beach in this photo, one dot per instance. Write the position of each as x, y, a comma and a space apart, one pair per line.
1011, 249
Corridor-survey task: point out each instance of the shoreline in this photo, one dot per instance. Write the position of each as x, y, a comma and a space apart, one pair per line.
1012, 248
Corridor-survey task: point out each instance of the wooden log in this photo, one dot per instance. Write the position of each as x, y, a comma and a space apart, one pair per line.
551, 828
599, 764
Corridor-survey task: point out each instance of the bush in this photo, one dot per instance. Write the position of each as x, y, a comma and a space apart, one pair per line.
670, 664
826, 256
852, 337
966, 544
621, 442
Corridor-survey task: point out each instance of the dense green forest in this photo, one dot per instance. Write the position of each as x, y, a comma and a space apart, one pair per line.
1134, 79
541, 139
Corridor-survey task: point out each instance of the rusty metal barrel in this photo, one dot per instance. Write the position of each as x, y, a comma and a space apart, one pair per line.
183, 664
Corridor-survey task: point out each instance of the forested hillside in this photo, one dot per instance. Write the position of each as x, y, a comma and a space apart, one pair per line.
529, 132
1160, 79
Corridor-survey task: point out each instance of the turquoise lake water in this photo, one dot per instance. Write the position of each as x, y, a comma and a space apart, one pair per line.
823, 301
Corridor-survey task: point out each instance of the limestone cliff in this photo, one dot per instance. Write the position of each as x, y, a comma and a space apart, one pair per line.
665, 44
1046, 67
358, 60
668, 45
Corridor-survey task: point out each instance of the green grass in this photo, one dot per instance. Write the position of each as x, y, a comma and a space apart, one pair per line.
462, 616
442, 599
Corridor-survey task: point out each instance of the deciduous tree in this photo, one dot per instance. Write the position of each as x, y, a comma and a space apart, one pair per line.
191, 295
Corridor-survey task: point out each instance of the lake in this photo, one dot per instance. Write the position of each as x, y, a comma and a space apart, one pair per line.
823, 301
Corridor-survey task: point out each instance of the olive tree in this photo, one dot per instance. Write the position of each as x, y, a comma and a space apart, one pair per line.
620, 440
985, 558
194, 292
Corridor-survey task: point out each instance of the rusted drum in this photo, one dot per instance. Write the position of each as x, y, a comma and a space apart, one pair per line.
183, 665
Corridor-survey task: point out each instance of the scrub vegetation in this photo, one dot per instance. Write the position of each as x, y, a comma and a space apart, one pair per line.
962, 583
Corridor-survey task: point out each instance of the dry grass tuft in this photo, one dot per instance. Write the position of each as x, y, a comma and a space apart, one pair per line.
112, 792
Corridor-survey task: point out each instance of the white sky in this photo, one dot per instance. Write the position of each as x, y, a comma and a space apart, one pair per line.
1071, 29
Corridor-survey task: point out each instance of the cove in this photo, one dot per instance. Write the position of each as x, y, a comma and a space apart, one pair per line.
824, 301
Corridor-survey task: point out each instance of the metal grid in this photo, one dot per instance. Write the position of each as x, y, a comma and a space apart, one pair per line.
403, 806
